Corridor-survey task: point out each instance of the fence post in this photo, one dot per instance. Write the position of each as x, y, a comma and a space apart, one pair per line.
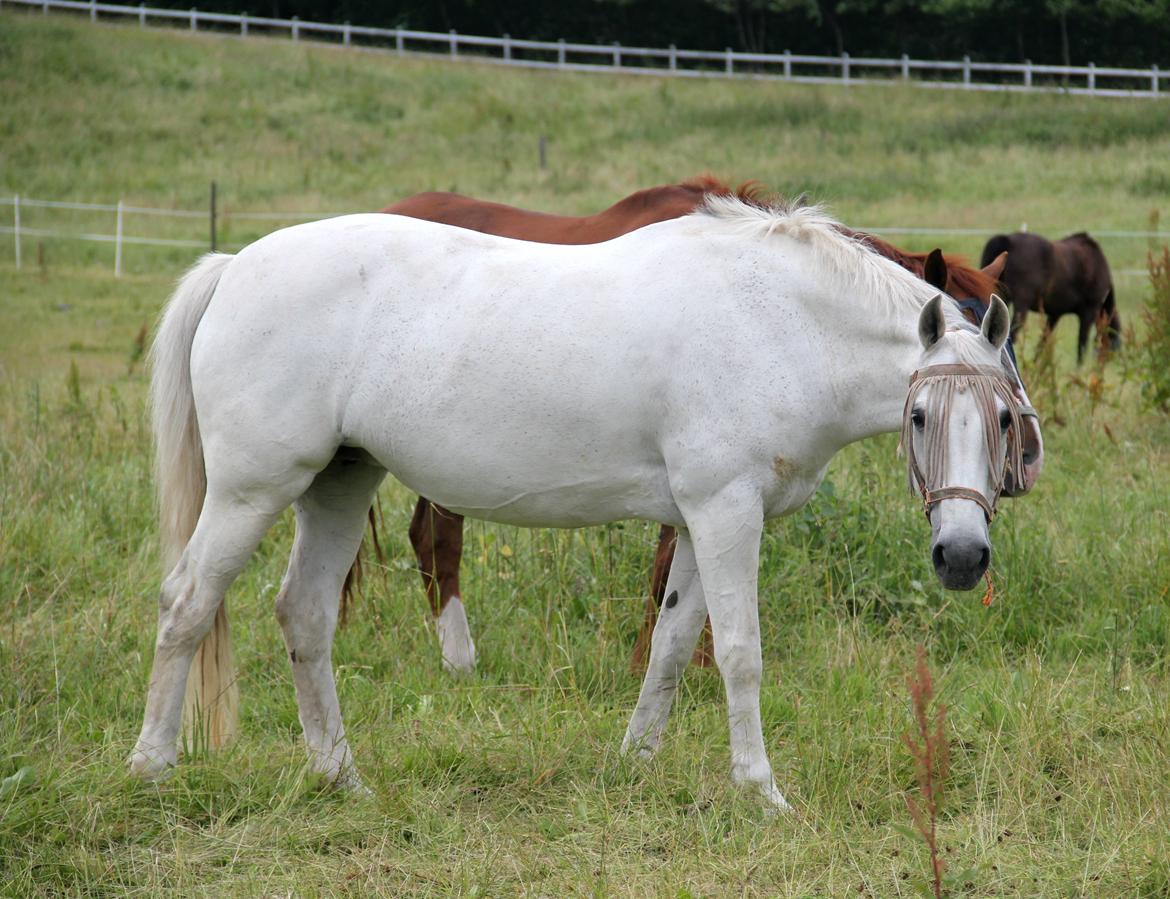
141, 14
345, 34
617, 55
211, 217
454, 44
905, 67
673, 57
729, 62
399, 43
296, 28
1154, 79
93, 10
787, 63
507, 46
1027, 73
561, 53
194, 19
1092, 78
845, 67
45, 8
966, 69
16, 226
243, 25
118, 243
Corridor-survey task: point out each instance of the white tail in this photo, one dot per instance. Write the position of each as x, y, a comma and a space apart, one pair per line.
211, 709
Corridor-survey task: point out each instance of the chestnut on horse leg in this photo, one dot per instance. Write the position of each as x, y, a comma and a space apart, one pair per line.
704, 655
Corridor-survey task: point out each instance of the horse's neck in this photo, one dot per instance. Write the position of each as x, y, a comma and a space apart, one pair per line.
870, 365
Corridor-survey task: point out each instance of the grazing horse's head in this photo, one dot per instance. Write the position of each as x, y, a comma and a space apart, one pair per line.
962, 430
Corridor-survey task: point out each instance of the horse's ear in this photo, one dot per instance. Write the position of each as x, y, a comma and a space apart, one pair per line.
997, 323
994, 269
932, 324
935, 271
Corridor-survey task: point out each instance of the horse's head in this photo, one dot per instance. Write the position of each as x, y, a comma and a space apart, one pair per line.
962, 430
978, 284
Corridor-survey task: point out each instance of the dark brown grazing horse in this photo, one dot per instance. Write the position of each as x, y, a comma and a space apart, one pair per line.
437, 533
1069, 276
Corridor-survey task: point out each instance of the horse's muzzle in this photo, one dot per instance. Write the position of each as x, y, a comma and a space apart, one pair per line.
961, 562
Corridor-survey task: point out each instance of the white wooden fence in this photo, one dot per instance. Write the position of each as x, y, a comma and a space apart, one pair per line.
962, 74
120, 239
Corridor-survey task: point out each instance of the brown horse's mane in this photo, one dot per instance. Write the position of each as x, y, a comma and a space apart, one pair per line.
964, 281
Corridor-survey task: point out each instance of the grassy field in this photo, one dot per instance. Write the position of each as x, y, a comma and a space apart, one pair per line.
509, 782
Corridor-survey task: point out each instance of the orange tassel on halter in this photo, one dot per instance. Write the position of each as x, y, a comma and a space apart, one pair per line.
989, 595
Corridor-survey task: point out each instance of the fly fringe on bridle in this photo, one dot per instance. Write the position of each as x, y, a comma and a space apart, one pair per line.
985, 384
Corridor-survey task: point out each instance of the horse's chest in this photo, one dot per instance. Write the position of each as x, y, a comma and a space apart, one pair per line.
791, 484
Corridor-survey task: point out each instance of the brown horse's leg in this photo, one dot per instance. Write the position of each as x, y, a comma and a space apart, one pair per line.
437, 537
705, 652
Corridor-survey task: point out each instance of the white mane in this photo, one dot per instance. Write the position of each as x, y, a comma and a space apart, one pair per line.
853, 265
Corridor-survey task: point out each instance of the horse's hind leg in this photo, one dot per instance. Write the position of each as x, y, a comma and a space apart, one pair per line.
331, 516
229, 529
437, 537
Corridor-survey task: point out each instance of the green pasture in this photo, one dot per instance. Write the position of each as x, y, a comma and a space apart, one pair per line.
509, 782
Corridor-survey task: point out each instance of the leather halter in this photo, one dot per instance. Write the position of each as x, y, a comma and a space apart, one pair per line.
1008, 389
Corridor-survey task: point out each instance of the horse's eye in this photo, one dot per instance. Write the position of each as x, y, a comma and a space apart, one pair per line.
1005, 419
918, 417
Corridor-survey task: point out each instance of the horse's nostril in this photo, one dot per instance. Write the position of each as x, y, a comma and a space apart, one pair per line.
938, 556
984, 558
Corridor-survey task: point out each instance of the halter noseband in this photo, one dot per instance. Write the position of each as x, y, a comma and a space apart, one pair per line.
987, 383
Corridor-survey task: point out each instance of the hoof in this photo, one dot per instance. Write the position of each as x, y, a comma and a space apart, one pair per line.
455, 641
151, 765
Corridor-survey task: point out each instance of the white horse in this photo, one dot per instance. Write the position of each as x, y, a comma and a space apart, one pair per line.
700, 372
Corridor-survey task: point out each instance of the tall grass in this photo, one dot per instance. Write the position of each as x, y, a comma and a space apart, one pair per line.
509, 782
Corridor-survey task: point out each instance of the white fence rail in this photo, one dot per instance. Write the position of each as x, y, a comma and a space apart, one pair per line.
962, 74
120, 239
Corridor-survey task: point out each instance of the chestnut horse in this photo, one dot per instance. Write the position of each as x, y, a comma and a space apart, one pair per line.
1069, 276
437, 534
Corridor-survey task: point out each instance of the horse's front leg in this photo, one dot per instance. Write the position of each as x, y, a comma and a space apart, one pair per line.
679, 621
725, 532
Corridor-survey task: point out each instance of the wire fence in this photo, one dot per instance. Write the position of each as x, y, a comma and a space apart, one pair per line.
964, 74
217, 219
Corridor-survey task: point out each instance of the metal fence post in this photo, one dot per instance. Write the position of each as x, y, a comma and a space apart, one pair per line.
617, 55
194, 19
1027, 73
673, 57
296, 28
243, 25
507, 46
845, 67
787, 63
399, 44
561, 53
905, 67
1154, 79
118, 243
93, 10
1092, 78
454, 44
141, 15
729, 62
345, 34
211, 217
966, 69
16, 226
45, 8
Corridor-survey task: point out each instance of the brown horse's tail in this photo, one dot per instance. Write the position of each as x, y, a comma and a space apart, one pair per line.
996, 245
1109, 308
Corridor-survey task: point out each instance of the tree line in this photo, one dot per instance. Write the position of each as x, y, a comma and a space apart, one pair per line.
1076, 32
